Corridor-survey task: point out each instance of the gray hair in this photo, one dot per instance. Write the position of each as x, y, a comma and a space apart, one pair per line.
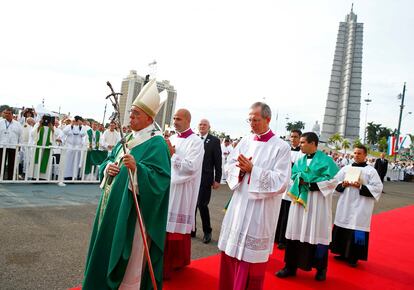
266, 112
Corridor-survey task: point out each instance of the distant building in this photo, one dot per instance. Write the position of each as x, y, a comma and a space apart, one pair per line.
343, 105
130, 88
164, 117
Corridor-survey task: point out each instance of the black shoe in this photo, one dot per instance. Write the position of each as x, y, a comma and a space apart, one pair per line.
207, 238
193, 234
320, 275
285, 272
281, 246
353, 264
340, 258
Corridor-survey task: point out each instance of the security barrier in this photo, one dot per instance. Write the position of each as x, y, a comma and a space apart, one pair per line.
48, 164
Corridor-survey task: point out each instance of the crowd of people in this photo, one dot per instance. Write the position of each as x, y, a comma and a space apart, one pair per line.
38, 141
390, 170
282, 193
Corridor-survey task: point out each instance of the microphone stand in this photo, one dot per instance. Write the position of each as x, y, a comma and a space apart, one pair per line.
113, 97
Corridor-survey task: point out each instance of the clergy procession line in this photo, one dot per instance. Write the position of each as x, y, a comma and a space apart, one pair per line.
281, 194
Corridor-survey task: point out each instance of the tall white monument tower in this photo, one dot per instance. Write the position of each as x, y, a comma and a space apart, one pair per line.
343, 106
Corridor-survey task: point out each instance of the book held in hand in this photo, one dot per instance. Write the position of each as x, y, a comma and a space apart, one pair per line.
353, 175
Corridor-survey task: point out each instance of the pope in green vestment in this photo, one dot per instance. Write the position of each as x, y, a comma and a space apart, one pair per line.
114, 226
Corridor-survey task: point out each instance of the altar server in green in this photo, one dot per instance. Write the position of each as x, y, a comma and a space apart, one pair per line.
309, 226
116, 258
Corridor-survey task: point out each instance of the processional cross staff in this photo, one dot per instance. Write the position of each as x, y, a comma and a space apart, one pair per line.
113, 97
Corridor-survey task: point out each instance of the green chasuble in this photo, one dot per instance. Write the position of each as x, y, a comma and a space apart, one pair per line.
114, 226
321, 168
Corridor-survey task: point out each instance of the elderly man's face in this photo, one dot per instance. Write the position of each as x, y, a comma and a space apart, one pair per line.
258, 124
203, 127
138, 119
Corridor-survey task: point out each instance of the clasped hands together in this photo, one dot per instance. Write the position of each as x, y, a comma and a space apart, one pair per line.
245, 164
129, 162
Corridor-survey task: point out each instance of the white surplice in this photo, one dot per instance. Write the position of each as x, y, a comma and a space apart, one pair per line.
354, 211
186, 166
313, 225
294, 156
110, 138
249, 226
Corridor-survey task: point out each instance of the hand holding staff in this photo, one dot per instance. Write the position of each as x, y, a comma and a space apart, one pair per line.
129, 160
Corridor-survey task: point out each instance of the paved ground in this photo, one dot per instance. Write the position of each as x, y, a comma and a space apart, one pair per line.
45, 231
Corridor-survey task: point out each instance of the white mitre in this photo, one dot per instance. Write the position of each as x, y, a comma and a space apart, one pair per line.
149, 100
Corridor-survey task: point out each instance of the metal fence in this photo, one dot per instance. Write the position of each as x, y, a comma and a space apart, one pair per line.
28, 159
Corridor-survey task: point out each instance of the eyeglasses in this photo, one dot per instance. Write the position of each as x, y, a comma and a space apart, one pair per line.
252, 120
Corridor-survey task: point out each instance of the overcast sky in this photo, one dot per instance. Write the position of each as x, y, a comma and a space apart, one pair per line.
221, 56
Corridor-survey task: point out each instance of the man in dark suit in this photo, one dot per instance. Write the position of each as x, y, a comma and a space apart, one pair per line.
210, 176
381, 165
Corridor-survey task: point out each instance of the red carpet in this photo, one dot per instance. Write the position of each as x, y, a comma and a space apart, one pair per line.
390, 263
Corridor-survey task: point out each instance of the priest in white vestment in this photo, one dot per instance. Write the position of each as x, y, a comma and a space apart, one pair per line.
350, 234
258, 172
187, 152
74, 143
309, 226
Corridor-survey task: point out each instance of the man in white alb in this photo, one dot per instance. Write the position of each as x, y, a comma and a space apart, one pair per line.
187, 151
258, 172
350, 234
74, 140
110, 137
10, 135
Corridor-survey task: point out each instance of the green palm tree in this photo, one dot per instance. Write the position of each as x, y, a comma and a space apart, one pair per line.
336, 141
346, 144
357, 142
298, 125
